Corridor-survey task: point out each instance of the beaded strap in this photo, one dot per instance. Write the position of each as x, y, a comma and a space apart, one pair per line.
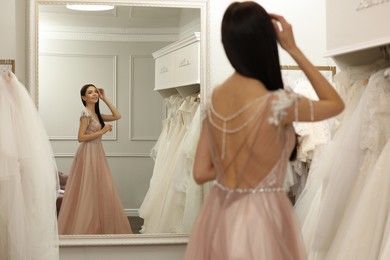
311, 109
224, 129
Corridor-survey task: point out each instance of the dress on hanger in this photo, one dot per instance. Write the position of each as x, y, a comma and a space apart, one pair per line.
91, 204
181, 191
28, 178
193, 191
366, 210
350, 83
254, 219
153, 205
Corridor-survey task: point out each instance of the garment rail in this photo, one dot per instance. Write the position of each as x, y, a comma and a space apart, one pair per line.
321, 68
8, 63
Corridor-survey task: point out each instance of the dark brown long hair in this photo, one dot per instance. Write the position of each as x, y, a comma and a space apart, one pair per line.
97, 109
250, 43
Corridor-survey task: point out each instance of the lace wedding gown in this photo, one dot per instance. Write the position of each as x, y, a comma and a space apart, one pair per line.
350, 83
254, 219
164, 205
28, 179
366, 209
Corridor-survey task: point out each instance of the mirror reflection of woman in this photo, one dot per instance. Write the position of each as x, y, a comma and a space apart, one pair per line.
91, 204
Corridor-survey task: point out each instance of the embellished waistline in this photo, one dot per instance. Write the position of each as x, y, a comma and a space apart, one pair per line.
256, 190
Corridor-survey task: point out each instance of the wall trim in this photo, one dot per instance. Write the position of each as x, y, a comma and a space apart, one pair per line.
70, 155
114, 91
112, 37
132, 212
123, 240
131, 95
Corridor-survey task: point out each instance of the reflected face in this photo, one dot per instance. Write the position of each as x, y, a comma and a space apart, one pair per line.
91, 95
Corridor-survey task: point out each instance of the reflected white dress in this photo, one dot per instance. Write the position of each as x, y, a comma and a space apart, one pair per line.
153, 205
188, 194
174, 193
28, 179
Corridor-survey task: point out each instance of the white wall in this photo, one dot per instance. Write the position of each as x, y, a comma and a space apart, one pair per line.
7, 29
306, 16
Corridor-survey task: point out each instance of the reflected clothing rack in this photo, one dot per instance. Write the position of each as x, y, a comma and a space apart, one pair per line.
10, 63
320, 68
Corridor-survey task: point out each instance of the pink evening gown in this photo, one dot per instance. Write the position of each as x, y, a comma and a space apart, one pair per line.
91, 204
254, 219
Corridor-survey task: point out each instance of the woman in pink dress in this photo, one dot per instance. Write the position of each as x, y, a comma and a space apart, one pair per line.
247, 140
91, 204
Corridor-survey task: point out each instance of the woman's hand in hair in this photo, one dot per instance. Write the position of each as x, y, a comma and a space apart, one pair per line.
284, 32
102, 94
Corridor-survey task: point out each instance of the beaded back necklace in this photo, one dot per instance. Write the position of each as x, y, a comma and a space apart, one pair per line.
226, 119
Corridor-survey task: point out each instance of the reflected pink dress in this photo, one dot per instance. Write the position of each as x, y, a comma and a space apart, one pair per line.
91, 204
253, 218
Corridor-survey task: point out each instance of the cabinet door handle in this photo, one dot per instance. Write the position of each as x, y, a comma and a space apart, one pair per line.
163, 69
184, 62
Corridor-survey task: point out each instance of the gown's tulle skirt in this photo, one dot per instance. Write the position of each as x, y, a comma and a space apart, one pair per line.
91, 203
245, 226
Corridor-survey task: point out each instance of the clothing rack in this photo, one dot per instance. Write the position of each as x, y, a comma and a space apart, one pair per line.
9, 63
321, 68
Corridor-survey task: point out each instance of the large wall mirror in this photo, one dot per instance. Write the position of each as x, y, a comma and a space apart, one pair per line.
117, 50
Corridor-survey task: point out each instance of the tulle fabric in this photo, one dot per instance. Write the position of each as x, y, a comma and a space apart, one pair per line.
187, 194
366, 210
164, 205
91, 204
161, 152
28, 179
153, 205
253, 219
350, 83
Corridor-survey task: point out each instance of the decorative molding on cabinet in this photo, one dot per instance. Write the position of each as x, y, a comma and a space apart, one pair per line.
177, 68
358, 47
194, 37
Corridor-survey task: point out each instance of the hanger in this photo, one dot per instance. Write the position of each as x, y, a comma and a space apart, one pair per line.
387, 73
385, 52
8, 69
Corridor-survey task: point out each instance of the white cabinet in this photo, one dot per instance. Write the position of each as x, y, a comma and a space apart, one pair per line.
178, 67
355, 31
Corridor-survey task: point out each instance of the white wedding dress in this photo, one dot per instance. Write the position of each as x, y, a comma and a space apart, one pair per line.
28, 178
330, 160
366, 210
164, 205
